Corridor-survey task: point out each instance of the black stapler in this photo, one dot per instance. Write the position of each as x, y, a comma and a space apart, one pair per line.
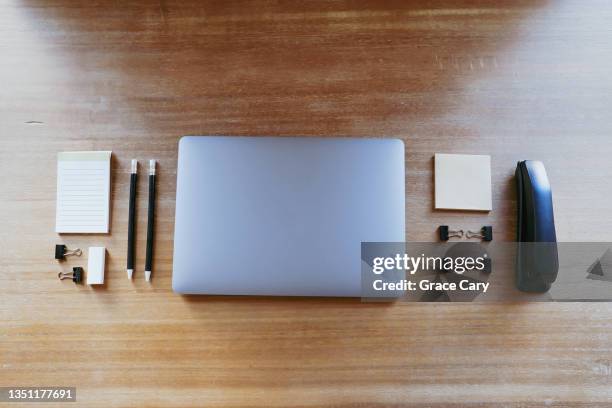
537, 260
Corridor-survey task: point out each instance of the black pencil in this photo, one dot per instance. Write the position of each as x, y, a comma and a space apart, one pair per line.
150, 223
132, 219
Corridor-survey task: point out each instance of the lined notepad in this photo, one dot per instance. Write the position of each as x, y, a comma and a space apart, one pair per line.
83, 192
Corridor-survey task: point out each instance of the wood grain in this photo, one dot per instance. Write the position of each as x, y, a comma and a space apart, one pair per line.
521, 79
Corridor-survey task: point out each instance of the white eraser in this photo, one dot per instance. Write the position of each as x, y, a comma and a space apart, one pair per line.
96, 260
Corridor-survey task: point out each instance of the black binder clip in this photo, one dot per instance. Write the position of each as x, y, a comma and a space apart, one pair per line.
76, 275
61, 252
445, 233
486, 233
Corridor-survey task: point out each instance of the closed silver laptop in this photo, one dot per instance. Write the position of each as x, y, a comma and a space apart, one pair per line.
283, 215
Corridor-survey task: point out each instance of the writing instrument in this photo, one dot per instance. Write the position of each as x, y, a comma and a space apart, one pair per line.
149, 259
132, 219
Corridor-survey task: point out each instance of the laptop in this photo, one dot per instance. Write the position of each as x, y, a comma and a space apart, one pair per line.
283, 216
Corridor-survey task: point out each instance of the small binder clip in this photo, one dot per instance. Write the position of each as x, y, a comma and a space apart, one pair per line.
61, 252
486, 233
76, 275
445, 233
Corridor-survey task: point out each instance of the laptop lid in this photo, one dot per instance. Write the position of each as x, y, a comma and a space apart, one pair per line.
283, 215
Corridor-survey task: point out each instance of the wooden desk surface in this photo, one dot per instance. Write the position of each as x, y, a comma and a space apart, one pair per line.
524, 79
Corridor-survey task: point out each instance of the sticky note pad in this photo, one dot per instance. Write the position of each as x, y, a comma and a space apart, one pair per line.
463, 182
83, 192
96, 262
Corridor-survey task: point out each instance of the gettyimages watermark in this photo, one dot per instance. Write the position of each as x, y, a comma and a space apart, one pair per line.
486, 272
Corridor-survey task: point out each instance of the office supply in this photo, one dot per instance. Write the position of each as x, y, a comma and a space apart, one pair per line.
601, 269
150, 222
485, 233
488, 263
537, 257
448, 273
463, 182
283, 216
61, 252
445, 233
76, 275
96, 262
132, 218
83, 192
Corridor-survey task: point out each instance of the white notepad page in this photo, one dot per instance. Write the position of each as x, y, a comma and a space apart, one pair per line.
463, 182
83, 192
